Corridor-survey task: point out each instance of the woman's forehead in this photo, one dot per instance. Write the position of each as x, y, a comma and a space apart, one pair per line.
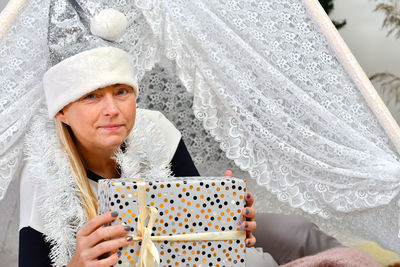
117, 85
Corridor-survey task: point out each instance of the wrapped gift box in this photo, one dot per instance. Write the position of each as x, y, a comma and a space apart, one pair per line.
189, 205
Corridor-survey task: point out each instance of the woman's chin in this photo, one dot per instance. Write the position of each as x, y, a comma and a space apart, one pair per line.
112, 142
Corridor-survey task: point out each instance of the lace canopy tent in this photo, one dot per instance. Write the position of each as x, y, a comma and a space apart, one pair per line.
277, 95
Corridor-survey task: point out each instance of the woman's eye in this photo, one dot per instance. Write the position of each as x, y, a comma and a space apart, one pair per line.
91, 96
122, 92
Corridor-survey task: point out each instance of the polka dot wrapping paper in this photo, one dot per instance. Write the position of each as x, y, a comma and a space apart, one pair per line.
185, 205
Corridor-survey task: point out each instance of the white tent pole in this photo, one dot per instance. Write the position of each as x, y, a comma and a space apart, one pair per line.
355, 71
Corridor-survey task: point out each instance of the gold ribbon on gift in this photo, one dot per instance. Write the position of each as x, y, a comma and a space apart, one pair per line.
148, 251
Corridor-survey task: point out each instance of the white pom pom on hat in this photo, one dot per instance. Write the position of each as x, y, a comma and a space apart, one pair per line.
109, 24
92, 69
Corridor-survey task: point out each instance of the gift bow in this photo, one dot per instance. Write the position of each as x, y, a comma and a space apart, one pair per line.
148, 251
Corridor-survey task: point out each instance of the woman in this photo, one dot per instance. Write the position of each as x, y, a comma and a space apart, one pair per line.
92, 96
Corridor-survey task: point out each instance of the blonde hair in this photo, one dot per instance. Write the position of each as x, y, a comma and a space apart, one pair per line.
86, 196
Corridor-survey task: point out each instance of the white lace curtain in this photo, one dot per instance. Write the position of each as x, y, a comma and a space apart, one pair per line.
274, 89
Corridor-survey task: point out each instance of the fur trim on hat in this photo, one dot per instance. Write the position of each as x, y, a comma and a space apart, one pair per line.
85, 72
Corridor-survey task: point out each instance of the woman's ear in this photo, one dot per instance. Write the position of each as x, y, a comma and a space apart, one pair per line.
61, 117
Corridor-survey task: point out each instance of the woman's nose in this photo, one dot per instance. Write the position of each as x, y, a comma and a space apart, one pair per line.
110, 107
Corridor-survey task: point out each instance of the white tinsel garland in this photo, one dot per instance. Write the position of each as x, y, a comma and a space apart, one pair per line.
60, 207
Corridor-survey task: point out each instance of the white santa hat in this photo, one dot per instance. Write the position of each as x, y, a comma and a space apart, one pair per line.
92, 69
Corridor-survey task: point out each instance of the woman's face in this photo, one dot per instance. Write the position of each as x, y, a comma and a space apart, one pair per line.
103, 118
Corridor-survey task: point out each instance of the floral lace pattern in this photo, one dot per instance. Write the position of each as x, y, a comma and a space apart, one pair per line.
23, 57
25, 41
267, 89
156, 93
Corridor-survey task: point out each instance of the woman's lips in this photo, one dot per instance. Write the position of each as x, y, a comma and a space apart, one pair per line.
111, 127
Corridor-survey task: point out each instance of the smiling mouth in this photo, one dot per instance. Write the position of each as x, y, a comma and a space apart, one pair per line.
111, 127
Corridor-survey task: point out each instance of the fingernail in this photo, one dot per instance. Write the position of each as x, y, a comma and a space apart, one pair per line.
248, 242
129, 238
127, 228
114, 213
119, 254
246, 225
248, 195
247, 211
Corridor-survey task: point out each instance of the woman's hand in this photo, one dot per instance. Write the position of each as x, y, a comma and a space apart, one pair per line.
90, 242
249, 213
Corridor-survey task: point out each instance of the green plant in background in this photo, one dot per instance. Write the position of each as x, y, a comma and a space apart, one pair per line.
391, 8
386, 83
328, 7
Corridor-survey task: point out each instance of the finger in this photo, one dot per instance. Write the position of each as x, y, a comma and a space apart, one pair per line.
249, 213
110, 260
228, 173
107, 246
249, 226
96, 222
250, 241
107, 232
249, 199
